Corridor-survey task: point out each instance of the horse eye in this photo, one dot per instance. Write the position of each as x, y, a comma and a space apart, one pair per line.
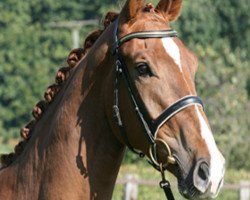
144, 70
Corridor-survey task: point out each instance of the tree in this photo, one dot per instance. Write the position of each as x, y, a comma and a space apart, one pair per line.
31, 52
217, 31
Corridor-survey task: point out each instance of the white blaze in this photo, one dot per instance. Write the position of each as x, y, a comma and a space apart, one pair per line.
217, 161
172, 49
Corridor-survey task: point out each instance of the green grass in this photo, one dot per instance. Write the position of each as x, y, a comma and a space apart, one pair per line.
146, 172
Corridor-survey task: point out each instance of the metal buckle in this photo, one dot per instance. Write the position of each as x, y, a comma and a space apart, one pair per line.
153, 157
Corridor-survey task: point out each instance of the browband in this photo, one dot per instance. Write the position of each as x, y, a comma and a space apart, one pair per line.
143, 35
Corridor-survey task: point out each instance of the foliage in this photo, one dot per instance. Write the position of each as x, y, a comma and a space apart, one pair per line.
28, 55
217, 31
227, 101
44, 11
219, 38
31, 52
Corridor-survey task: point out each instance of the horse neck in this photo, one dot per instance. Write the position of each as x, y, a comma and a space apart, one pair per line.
72, 151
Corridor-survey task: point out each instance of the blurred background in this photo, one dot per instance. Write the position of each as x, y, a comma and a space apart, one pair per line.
37, 35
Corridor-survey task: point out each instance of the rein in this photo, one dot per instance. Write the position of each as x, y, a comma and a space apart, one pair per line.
149, 125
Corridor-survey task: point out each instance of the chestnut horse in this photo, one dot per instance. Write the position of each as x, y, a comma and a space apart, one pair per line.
134, 87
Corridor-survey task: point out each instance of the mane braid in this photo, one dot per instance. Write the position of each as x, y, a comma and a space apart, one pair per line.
61, 76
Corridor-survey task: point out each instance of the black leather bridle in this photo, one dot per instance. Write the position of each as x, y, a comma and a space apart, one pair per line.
149, 125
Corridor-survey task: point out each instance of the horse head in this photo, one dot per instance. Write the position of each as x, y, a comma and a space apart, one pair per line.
156, 104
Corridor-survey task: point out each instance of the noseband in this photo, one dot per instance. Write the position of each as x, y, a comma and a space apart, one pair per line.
150, 126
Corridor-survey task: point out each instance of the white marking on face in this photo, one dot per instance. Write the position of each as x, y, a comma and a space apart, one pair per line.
173, 50
217, 162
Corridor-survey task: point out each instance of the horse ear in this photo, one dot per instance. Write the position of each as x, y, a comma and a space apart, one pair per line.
169, 8
130, 9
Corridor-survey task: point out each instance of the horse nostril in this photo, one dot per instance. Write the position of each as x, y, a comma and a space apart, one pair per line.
201, 176
203, 171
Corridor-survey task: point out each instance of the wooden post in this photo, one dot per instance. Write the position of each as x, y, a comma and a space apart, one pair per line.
75, 26
75, 37
131, 187
244, 190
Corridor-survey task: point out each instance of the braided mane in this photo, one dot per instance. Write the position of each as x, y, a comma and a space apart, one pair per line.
61, 76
